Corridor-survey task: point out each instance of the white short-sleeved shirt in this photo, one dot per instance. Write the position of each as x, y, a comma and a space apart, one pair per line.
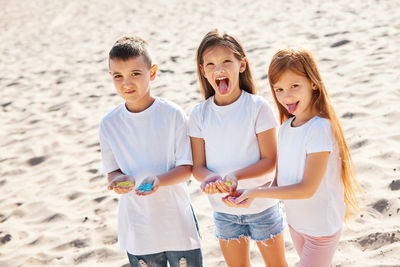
230, 136
323, 213
143, 144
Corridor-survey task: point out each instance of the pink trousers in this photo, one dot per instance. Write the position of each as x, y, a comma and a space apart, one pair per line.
315, 251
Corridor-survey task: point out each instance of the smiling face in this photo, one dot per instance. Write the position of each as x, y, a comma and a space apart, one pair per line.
131, 79
294, 93
221, 68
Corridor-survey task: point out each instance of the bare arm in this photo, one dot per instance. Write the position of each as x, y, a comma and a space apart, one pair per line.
176, 175
314, 171
200, 170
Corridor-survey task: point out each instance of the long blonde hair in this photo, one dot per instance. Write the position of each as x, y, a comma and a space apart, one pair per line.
216, 38
301, 62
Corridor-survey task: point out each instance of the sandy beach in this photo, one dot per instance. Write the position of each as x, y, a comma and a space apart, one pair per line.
55, 209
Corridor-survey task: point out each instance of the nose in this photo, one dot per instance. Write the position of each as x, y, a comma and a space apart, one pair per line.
219, 69
127, 82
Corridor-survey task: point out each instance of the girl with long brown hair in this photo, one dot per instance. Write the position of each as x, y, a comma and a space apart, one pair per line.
233, 140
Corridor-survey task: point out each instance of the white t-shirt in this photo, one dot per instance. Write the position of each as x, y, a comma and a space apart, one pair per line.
143, 144
323, 213
229, 133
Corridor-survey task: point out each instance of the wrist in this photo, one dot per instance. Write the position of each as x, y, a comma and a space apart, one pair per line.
210, 176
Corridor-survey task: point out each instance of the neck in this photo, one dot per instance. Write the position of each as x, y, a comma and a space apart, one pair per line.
226, 100
303, 118
141, 105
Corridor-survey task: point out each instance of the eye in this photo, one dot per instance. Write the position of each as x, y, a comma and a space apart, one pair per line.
295, 85
209, 64
135, 74
227, 61
278, 90
117, 76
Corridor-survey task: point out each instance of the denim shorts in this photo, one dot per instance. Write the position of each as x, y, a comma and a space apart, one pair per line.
189, 258
259, 226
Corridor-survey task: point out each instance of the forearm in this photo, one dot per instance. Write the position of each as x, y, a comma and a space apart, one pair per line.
201, 172
296, 191
176, 175
261, 167
113, 174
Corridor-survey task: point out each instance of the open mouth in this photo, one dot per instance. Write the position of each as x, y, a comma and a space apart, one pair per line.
292, 107
222, 84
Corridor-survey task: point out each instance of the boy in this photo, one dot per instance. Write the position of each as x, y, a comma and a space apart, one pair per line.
144, 141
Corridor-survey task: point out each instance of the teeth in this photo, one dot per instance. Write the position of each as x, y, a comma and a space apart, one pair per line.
222, 78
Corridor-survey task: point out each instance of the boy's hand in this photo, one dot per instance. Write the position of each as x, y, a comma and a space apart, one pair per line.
148, 186
228, 184
239, 199
121, 184
209, 185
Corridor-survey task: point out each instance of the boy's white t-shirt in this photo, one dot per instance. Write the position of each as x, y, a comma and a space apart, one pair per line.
230, 137
323, 213
144, 144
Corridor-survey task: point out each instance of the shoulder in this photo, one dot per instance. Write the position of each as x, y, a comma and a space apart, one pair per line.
285, 124
256, 100
112, 114
320, 123
169, 107
320, 128
200, 107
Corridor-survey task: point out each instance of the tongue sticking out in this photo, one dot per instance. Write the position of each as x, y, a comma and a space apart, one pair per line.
292, 107
223, 86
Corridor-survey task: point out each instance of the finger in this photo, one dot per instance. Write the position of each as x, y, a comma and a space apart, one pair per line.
215, 189
139, 192
244, 204
222, 187
209, 188
117, 190
229, 202
239, 199
226, 202
145, 193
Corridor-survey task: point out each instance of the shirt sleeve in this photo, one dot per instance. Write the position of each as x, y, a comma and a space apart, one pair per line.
195, 122
265, 119
320, 137
108, 159
183, 151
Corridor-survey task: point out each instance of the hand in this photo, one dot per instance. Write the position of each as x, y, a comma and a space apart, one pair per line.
209, 186
153, 181
239, 199
119, 189
228, 184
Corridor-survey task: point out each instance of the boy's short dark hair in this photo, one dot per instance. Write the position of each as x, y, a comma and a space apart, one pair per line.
130, 47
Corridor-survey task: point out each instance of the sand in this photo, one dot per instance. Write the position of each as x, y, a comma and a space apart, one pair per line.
55, 209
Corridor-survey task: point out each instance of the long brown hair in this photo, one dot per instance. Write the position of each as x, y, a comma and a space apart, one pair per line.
301, 62
217, 38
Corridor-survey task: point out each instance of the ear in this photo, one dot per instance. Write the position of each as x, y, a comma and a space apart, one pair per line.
153, 72
314, 86
243, 64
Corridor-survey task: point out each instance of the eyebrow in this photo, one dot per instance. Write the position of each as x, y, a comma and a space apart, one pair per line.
134, 70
